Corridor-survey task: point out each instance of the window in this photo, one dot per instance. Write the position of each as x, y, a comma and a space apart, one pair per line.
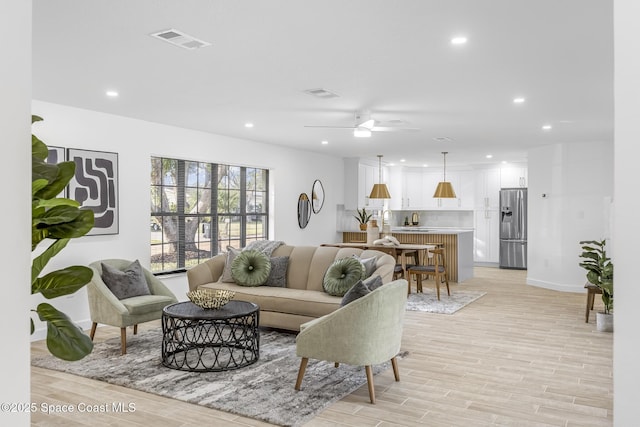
198, 209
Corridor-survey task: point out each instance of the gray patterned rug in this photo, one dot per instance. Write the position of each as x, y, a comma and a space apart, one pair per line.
428, 301
263, 390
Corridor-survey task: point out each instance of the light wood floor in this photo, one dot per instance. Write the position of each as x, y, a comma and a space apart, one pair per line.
518, 356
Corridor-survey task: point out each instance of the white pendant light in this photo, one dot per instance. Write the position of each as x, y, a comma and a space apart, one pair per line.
444, 190
379, 191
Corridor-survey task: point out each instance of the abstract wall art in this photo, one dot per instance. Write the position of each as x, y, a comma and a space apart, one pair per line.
95, 186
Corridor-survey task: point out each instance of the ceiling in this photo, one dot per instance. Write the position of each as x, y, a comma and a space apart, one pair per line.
394, 59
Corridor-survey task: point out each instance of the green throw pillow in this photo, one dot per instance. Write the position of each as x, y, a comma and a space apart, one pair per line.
342, 275
250, 268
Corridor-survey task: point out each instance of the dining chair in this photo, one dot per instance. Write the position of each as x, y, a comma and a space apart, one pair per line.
436, 266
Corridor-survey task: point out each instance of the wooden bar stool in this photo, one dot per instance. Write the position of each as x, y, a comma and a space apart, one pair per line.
437, 269
592, 290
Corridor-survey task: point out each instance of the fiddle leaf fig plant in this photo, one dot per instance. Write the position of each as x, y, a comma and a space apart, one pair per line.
599, 269
56, 220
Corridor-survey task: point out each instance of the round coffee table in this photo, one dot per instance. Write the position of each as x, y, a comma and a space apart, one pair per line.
205, 340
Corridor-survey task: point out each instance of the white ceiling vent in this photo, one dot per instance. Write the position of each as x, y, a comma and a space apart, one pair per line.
180, 39
321, 93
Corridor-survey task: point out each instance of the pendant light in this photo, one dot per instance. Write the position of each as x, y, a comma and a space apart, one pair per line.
444, 189
379, 191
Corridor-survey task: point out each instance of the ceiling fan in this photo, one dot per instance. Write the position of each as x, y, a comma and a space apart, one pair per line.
364, 125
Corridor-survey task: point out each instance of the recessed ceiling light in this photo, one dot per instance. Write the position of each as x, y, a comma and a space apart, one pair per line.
112, 94
518, 100
392, 164
403, 160
248, 125
504, 162
325, 142
489, 156
459, 40
424, 165
546, 127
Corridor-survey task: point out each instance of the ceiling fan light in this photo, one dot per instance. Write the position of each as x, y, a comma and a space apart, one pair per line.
361, 132
444, 190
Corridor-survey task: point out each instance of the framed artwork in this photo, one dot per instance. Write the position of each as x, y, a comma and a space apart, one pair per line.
95, 186
56, 155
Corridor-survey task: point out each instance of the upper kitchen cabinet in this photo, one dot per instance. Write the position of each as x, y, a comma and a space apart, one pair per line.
513, 176
359, 180
487, 189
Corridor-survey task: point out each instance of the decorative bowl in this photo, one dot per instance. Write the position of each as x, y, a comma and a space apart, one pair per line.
214, 298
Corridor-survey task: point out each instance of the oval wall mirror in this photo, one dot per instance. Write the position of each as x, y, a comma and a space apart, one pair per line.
317, 196
304, 210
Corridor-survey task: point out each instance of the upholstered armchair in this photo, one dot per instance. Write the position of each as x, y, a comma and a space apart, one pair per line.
365, 332
108, 309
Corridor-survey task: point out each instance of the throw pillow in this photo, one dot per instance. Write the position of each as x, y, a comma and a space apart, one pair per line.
357, 291
342, 275
369, 265
127, 283
373, 282
226, 273
250, 268
278, 275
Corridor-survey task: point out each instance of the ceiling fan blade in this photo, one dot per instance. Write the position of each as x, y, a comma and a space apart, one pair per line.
368, 124
392, 129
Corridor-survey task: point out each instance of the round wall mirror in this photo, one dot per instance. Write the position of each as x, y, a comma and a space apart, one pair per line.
317, 196
304, 210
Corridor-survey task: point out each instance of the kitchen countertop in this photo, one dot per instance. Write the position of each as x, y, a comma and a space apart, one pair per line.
421, 229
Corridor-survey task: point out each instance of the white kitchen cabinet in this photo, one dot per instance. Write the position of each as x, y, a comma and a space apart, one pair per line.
486, 242
359, 180
396, 188
513, 176
413, 189
487, 189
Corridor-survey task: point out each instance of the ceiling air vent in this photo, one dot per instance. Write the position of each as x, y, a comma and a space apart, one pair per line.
180, 39
443, 139
321, 93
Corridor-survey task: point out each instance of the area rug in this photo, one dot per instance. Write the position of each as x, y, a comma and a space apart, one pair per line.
264, 390
428, 301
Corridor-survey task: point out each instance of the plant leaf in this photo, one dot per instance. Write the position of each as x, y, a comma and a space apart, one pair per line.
62, 282
65, 340
39, 262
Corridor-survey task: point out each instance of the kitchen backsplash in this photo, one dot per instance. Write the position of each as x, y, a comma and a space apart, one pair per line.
444, 219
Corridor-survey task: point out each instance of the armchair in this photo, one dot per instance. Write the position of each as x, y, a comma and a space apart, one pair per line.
106, 308
367, 331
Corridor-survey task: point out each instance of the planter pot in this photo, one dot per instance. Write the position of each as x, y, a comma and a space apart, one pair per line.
363, 227
604, 322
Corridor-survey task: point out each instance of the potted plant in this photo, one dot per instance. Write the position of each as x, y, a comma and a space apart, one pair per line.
599, 273
363, 217
54, 221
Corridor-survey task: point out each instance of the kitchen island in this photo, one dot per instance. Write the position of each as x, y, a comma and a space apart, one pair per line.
458, 245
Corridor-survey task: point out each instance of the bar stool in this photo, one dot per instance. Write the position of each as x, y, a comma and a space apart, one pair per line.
437, 269
592, 290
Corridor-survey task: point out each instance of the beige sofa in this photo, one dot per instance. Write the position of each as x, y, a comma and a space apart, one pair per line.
304, 298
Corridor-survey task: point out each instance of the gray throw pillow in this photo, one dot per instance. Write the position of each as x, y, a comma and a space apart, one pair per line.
357, 291
232, 253
278, 275
373, 282
127, 283
369, 265
342, 275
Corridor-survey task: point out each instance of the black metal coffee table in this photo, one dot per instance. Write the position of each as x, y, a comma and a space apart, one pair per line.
205, 340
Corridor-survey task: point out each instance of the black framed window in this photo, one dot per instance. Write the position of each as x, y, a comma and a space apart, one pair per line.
198, 209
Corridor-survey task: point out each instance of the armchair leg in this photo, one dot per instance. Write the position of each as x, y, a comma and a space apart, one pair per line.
372, 391
135, 329
396, 372
123, 340
336, 364
303, 367
92, 334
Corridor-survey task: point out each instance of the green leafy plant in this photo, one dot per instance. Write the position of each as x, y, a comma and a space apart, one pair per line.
599, 269
363, 217
56, 220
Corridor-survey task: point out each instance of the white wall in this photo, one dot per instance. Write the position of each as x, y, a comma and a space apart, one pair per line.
292, 172
626, 232
15, 174
577, 180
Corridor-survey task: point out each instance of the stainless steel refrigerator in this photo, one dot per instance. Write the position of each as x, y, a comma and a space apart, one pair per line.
513, 228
